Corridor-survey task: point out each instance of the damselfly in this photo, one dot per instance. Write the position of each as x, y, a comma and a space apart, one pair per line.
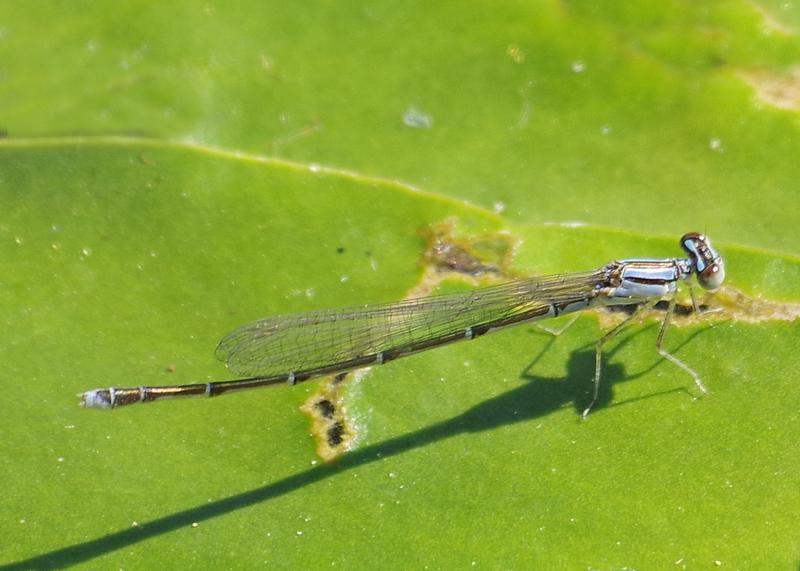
294, 348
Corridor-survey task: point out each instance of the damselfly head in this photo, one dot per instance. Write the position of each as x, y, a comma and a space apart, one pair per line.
708, 264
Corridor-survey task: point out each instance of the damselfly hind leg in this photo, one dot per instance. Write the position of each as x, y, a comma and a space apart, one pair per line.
669, 356
598, 363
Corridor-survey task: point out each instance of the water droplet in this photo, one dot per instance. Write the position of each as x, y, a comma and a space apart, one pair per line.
715, 145
605, 130
417, 119
344, 279
19, 240
499, 207
578, 66
86, 251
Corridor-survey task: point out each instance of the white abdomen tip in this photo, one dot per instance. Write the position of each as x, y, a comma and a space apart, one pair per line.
98, 398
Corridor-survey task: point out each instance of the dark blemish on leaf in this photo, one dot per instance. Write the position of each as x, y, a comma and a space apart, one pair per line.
333, 431
336, 434
326, 408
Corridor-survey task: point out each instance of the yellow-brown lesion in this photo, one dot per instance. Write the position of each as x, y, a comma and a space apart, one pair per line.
778, 89
450, 252
333, 431
732, 303
724, 304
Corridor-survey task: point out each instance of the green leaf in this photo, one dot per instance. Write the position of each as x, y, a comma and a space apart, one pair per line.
290, 158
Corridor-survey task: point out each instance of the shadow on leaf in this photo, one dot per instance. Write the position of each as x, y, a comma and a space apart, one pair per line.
538, 397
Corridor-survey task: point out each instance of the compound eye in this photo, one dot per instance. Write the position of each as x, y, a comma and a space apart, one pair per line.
712, 275
690, 241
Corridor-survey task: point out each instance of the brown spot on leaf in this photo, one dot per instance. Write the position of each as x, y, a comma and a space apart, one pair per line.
781, 90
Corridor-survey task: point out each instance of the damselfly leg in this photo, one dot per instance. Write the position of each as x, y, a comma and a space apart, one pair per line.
670, 312
669, 356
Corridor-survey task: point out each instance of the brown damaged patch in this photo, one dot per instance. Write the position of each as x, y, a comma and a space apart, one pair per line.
734, 304
451, 256
448, 251
329, 425
781, 90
